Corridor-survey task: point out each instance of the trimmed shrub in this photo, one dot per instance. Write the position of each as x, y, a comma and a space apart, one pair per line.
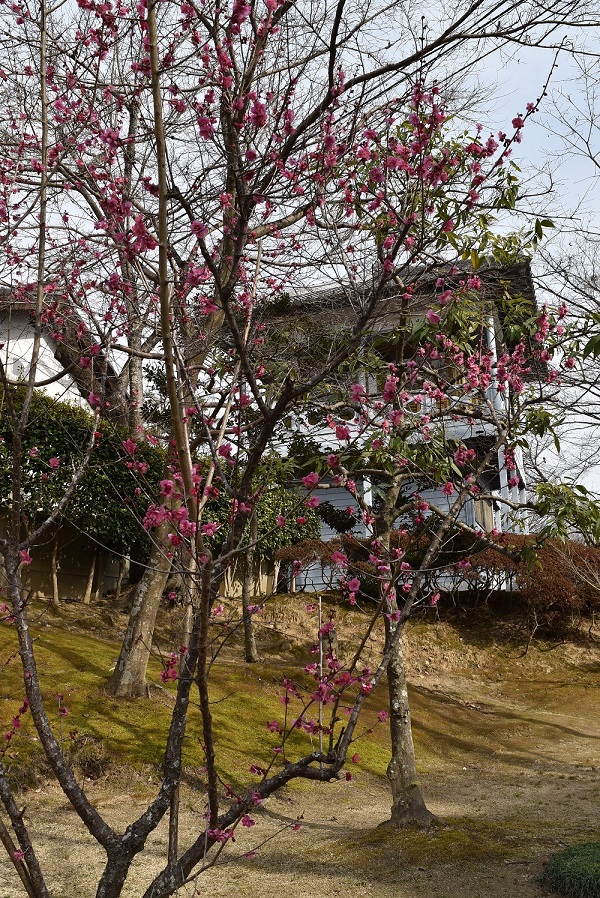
576, 871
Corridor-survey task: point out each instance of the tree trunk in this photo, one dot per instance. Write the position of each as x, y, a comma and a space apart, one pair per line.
250, 652
18, 863
136, 386
100, 572
408, 808
87, 598
123, 571
173, 826
54, 568
129, 676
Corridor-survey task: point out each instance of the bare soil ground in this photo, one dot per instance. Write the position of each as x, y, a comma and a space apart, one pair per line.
509, 749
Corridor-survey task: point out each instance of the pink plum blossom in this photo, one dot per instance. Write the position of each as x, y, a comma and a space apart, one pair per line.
210, 528
166, 487
199, 230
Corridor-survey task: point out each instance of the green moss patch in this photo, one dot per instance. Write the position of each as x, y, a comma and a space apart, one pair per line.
103, 735
576, 871
460, 840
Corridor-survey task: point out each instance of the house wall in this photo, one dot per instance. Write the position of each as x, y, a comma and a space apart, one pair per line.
484, 515
314, 577
341, 499
435, 496
16, 340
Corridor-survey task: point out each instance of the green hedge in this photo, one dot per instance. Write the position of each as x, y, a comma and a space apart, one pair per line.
112, 496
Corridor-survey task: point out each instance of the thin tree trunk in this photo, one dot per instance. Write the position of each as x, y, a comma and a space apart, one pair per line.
87, 598
28, 868
54, 569
100, 571
408, 805
136, 387
173, 826
123, 566
19, 864
188, 622
129, 676
250, 651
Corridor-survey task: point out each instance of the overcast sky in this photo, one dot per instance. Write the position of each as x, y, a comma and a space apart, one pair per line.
575, 201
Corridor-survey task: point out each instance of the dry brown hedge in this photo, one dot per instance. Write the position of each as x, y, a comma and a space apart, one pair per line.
559, 581
556, 582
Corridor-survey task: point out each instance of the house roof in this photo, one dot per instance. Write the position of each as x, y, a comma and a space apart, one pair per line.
308, 324
499, 285
70, 340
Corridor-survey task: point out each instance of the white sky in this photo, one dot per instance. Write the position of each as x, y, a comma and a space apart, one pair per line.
575, 201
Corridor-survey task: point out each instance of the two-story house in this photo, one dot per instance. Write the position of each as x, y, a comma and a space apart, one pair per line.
505, 296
